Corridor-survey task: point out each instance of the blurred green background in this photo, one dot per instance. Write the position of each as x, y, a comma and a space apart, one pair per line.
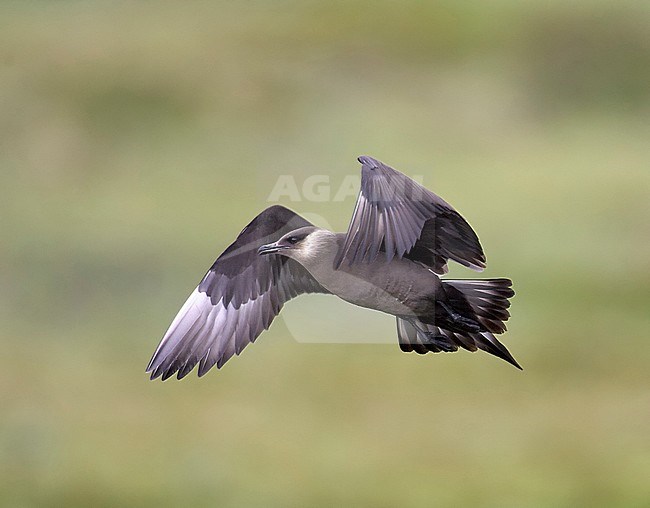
137, 139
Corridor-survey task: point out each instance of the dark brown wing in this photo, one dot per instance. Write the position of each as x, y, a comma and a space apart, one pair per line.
397, 216
237, 299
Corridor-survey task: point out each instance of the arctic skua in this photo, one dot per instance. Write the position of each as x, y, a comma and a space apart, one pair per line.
399, 241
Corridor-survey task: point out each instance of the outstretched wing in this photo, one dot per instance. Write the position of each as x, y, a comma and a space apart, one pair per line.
236, 300
400, 218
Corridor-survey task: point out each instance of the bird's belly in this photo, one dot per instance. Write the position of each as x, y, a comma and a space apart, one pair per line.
401, 288
366, 294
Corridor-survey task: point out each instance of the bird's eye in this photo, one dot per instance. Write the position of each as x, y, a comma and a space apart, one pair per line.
293, 240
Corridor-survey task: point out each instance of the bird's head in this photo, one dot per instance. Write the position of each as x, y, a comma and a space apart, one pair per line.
301, 244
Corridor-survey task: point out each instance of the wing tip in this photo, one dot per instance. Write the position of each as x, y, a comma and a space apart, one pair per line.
366, 160
153, 370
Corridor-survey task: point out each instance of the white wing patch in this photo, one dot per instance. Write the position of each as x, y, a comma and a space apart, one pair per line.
209, 334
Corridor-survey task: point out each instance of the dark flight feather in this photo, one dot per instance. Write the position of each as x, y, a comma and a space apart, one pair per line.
397, 216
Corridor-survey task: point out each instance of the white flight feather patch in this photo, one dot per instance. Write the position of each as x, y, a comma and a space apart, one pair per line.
216, 331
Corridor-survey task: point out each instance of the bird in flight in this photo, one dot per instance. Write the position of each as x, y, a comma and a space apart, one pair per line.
397, 246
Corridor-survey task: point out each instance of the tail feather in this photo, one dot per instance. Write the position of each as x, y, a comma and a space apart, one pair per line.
485, 301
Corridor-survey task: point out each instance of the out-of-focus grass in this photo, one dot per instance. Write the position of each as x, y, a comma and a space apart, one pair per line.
137, 140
